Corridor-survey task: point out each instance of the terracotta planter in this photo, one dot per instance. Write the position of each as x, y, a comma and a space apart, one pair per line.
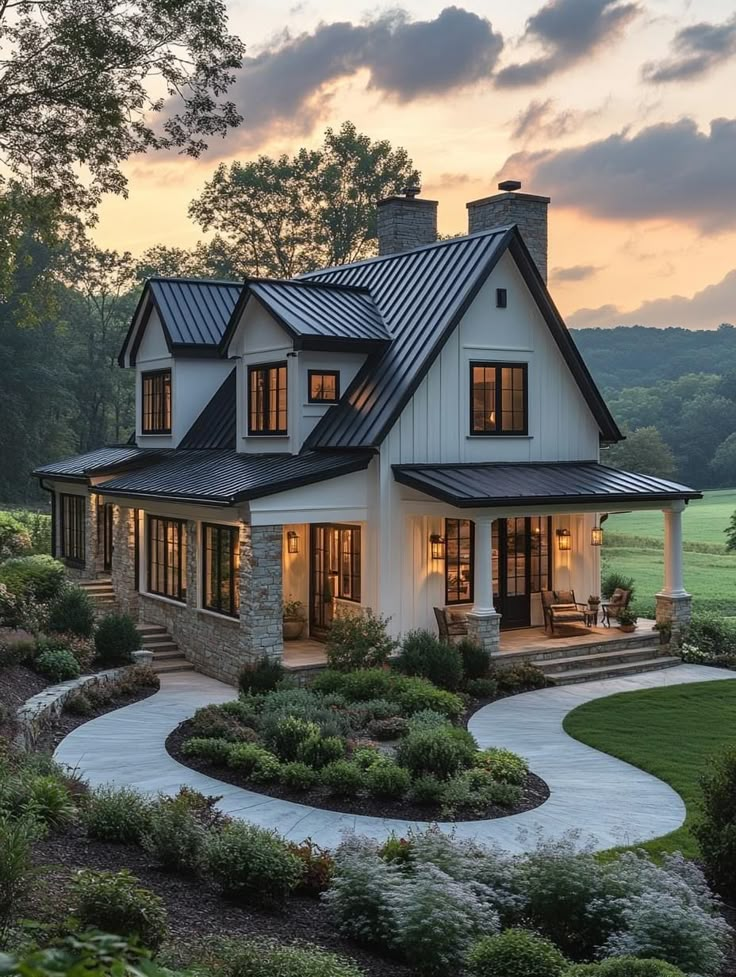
627, 628
293, 627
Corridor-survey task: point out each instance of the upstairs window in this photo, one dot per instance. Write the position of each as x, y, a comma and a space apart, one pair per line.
324, 386
73, 528
267, 393
498, 398
156, 402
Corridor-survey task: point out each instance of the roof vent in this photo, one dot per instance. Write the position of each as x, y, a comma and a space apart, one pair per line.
509, 185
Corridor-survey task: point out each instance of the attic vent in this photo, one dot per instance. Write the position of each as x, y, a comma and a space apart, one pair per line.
501, 298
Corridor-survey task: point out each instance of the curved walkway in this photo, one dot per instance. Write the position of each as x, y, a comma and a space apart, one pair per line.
602, 797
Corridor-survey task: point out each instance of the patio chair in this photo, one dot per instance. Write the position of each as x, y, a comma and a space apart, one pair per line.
561, 608
619, 600
448, 627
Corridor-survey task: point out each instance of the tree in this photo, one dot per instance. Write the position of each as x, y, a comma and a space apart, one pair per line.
88, 83
290, 215
215, 258
730, 532
643, 451
723, 464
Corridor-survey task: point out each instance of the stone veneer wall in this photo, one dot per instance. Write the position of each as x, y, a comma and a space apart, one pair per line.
674, 612
526, 210
404, 223
91, 557
123, 560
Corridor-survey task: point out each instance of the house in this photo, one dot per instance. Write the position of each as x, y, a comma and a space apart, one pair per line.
412, 431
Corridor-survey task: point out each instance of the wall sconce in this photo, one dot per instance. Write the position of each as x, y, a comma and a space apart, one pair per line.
596, 536
437, 546
292, 541
564, 539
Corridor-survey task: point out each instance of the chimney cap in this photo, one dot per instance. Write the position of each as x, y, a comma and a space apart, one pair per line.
412, 190
509, 185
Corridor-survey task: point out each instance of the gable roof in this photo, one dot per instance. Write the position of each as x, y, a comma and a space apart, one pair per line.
317, 315
216, 425
422, 294
101, 461
194, 315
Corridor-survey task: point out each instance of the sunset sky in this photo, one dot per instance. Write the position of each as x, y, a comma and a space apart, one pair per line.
624, 113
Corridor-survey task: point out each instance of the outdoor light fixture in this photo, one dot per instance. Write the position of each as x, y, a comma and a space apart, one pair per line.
437, 546
596, 536
292, 541
564, 539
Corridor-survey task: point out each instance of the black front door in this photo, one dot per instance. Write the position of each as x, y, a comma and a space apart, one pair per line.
521, 566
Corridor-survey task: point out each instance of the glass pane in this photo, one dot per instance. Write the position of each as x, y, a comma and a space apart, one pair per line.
484, 399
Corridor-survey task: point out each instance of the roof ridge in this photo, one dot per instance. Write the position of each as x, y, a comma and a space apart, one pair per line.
308, 283
194, 281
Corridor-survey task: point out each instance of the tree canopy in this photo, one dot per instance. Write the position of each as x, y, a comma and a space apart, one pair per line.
645, 451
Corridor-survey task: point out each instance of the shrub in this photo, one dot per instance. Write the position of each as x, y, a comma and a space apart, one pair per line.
298, 776
120, 816
520, 678
387, 779
114, 902
318, 866
14, 538
328, 682
427, 719
503, 764
16, 652
213, 722
260, 959
79, 704
57, 665
476, 660
379, 709
343, 778
367, 756
516, 953
72, 610
476, 790
359, 641
288, 735
424, 655
708, 636
254, 762
317, 751
370, 683
83, 649
17, 837
261, 676
38, 578
245, 710
388, 729
427, 789
210, 749
116, 638
613, 580
301, 704
716, 828
250, 862
435, 751
415, 694
175, 835
482, 688
624, 967
50, 801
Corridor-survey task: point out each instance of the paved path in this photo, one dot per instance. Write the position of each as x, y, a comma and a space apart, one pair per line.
603, 797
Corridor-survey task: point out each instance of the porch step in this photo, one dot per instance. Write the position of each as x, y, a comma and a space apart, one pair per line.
615, 671
167, 655
616, 656
101, 593
144, 629
557, 648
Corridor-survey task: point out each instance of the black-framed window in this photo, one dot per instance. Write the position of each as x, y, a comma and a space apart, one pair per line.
459, 561
540, 556
220, 566
348, 563
267, 399
156, 402
73, 528
323, 386
166, 556
498, 398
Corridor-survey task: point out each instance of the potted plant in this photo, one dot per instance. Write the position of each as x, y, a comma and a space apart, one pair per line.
293, 620
593, 602
627, 620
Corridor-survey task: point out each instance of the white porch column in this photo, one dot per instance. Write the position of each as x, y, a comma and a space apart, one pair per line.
673, 601
483, 621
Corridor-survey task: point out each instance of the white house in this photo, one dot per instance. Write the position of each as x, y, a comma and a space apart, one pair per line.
411, 431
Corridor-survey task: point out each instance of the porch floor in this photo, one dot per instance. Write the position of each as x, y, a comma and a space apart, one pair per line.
303, 653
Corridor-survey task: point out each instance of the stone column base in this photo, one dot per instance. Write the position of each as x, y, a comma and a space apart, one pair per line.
674, 611
485, 630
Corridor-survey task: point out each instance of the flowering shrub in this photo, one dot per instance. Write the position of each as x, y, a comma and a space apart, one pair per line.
15, 540
359, 641
503, 764
36, 578
708, 636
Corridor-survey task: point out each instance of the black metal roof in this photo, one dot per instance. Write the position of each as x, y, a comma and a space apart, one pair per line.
421, 296
227, 477
552, 483
216, 425
102, 461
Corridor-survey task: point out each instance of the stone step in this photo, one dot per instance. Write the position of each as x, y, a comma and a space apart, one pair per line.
615, 671
169, 654
554, 649
151, 629
173, 666
621, 656
153, 640
166, 646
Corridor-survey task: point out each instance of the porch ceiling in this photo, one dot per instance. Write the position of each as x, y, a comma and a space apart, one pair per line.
544, 484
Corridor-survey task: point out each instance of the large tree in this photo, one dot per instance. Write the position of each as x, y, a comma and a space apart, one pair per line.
317, 208
645, 451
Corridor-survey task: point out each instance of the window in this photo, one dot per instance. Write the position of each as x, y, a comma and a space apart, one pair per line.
73, 527
501, 298
324, 386
220, 564
157, 402
460, 539
540, 558
498, 398
267, 399
348, 577
167, 558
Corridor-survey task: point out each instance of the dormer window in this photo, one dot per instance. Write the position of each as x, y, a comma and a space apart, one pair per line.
498, 398
156, 402
324, 386
267, 399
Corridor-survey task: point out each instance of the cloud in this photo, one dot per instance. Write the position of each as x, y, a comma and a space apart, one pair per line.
695, 51
568, 31
575, 273
539, 118
286, 87
706, 309
666, 171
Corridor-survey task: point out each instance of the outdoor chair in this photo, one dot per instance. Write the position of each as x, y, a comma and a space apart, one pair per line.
449, 628
561, 608
618, 602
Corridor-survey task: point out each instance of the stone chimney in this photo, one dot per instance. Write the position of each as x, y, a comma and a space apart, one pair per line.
526, 210
406, 222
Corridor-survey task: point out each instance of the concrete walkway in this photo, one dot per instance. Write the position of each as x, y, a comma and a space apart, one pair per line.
602, 797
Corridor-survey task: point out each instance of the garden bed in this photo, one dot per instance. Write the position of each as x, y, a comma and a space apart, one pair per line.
17, 683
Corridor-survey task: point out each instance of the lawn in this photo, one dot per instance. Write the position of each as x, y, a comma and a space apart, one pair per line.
669, 732
703, 520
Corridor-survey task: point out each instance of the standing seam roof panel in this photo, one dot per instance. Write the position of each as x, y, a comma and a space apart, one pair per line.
308, 310
195, 313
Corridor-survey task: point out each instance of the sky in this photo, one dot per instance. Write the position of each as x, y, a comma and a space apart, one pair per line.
622, 111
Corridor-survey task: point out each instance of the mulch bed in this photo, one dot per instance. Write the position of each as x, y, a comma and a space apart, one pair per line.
17, 683
534, 792
67, 722
195, 908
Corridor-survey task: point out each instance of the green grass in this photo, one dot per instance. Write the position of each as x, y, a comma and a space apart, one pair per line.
669, 732
703, 521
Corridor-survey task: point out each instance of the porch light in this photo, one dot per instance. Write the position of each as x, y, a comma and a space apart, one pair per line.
437, 546
596, 536
564, 539
292, 541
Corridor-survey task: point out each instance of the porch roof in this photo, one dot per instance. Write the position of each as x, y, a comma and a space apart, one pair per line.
549, 483
101, 461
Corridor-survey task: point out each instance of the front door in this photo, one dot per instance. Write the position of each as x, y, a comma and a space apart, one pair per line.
521, 566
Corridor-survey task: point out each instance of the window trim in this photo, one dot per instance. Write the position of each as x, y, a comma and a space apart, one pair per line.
323, 373
234, 534
152, 375
498, 366
276, 432
181, 589
471, 580
79, 533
